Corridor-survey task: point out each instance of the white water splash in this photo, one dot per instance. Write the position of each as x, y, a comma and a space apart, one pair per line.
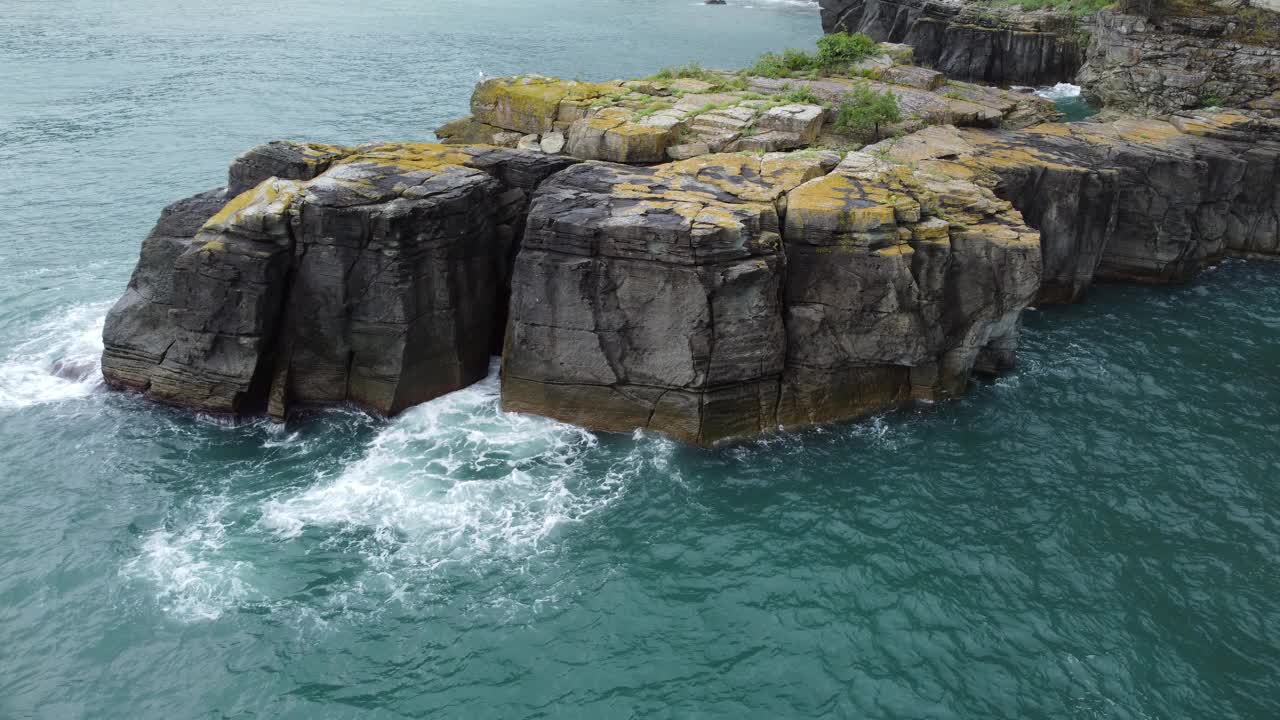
1059, 91
193, 579
60, 360
455, 480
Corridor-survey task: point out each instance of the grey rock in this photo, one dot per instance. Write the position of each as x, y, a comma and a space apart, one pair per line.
382, 283
282, 159
804, 121
967, 41
553, 143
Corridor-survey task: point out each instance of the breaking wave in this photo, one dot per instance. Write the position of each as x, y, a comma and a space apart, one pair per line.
1060, 91
452, 485
60, 360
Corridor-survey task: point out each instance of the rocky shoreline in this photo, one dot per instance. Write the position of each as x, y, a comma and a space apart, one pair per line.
704, 255
1125, 62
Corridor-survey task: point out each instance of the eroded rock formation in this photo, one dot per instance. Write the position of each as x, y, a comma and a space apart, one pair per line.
1168, 64
1149, 200
676, 299
654, 120
375, 276
1147, 65
967, 40
731, 291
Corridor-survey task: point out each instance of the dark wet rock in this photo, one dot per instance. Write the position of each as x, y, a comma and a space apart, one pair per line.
667, 299
280, 159
380, 282
968, 41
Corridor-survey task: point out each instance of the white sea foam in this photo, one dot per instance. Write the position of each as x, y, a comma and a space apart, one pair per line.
456, 480
60, 359
1059, 91
193, 580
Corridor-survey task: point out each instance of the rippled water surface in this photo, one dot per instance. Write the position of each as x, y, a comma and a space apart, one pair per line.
1094, 536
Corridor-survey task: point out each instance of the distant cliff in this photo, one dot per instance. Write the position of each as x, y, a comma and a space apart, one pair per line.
1159, 64
969, 41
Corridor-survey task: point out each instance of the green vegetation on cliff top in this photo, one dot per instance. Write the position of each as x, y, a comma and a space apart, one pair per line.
836, 52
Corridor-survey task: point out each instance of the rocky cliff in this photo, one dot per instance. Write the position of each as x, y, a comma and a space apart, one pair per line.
373, 275
708, 286
1186, 57
1149, 200
1173, 63
968, 40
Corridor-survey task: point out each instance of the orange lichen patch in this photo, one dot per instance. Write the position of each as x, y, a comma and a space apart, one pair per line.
1003, 235
1006, 155
747, 176
1210, 124
895, 251
410, 157
840, 203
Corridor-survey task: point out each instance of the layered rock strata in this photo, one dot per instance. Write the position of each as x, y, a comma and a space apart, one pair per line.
653, 120
1128, 63
717, 296
668, 299
1169, 64
374, 275
967, 40
1145, 200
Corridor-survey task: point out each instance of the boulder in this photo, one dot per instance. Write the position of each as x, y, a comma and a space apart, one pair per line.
617, 140
688, 150
532, 103
552, 143
804, 121
281, 159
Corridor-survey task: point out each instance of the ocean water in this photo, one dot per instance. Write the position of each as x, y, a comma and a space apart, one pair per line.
1092, 536
1070, 102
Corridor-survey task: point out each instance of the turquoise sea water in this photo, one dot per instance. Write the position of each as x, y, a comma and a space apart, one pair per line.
1094, 536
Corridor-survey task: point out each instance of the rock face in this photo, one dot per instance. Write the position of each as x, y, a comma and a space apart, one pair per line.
380, 281
1170, 64
730, 292
968, 41
1145, 200
1124, 62
675, 299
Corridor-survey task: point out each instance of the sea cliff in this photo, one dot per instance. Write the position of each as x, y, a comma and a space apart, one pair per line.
709, 255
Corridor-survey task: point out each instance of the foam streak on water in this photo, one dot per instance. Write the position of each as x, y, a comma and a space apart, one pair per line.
453, 479
1059, 91
59, 360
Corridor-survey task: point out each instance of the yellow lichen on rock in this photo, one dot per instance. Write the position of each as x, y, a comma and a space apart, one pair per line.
410, 156
529, 103
258, 213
